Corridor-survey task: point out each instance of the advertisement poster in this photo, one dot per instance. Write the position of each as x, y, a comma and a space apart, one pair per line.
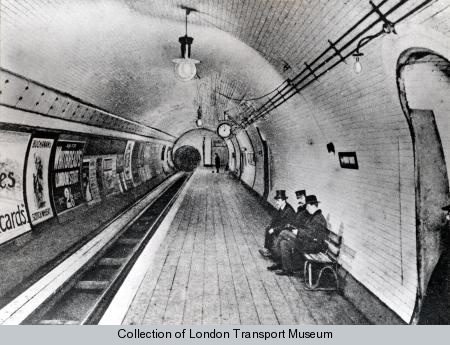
38, 194
127, 166
135, 165
90, 186
67, 186
121, 173
13, 215
110, 180
147, 160
141, 169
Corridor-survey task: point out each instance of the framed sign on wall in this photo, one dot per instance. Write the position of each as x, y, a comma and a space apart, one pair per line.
348, 160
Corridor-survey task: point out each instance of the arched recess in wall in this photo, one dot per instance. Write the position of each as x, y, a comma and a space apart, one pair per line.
431, 177
430, 185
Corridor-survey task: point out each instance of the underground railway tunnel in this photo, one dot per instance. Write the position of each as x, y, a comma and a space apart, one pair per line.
146, 141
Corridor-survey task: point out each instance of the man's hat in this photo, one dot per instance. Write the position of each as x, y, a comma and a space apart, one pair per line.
280, 194
446, 208
299, 193
311, 199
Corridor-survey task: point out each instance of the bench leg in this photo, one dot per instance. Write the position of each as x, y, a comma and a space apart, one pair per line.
307, 274
315, 286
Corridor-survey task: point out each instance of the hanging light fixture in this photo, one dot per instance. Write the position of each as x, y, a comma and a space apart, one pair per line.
199, 121
387, 28
185, 68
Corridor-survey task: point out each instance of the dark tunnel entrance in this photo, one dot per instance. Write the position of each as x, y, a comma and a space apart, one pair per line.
186, 158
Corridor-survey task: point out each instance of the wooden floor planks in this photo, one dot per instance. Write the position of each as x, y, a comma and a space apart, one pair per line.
208, 271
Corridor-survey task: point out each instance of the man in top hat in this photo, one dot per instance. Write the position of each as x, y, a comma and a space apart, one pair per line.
284, 215
310, 237
291, 230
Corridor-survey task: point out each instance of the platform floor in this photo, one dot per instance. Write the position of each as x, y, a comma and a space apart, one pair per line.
209, 271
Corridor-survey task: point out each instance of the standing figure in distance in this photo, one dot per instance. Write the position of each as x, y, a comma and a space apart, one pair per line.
217, 162
283, 216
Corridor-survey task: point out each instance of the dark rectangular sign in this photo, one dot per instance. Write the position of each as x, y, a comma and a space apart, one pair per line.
348, 160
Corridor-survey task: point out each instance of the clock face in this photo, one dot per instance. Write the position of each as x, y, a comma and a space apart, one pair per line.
224, 130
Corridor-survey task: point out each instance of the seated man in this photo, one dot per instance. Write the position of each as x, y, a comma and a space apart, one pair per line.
292, 228
310, 238
284, 215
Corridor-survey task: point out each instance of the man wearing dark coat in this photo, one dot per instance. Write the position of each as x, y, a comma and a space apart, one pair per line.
217, 162
310, 238
283, 216
288, 234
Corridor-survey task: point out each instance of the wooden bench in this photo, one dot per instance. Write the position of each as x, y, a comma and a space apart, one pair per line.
327, 260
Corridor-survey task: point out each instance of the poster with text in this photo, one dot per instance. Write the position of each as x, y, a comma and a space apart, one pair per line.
135, 165
89, 176
67, 184
38, 191
147, 160
127, 166
13, 215
121, 173
110, 178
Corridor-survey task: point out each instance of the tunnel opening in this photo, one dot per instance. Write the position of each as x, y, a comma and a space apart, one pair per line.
423, 78
186, 158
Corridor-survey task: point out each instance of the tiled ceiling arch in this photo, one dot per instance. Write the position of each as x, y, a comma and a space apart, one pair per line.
117, 53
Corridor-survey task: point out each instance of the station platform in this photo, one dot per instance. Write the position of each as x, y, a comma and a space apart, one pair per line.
208, 269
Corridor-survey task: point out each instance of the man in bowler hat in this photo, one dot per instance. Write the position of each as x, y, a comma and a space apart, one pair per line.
283, 216
310, 238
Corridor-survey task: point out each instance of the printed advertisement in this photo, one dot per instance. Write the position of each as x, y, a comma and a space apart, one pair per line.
147, 160
90, 186
121, 173
142, 175
127, 167
38, 194
110, 179
13, 214
135, 165
67, 186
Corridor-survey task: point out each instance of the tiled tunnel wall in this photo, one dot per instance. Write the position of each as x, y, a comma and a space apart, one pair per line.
373, 207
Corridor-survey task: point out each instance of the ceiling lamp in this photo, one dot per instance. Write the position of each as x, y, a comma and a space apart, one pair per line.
185, 68
199, 121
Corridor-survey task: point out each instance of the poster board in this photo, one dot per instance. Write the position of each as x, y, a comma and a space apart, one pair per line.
13, 215
37, 180
127, 165
91, 191
110, 178
66, 176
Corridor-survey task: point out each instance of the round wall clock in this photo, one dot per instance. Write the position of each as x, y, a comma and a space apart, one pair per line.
224, 130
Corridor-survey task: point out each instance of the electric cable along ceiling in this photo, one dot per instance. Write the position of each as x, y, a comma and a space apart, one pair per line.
324, 62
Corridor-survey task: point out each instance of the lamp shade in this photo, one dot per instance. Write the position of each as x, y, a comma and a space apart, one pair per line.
185, 68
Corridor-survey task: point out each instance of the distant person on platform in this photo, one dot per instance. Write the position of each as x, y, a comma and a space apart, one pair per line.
310, 238
290, 232
283, 216
217, 162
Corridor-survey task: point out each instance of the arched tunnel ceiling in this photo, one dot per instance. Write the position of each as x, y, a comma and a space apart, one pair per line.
117, 54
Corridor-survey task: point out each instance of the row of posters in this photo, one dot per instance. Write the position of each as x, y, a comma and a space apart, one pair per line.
75, 180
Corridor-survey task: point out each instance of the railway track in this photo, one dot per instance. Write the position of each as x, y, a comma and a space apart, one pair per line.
86, 295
